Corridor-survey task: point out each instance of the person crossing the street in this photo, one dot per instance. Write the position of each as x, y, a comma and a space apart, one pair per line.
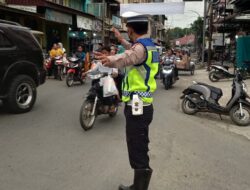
141, 62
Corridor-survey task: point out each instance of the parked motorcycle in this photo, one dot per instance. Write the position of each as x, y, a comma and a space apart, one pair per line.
168, 73
74, 71
59, 67
201, 97
95, 104
219, 72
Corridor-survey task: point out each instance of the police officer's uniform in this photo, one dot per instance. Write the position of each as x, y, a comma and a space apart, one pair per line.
140, 79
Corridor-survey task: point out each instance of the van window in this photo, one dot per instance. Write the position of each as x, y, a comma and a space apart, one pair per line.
4, 42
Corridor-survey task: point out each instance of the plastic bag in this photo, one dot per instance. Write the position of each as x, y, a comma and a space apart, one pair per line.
109, 87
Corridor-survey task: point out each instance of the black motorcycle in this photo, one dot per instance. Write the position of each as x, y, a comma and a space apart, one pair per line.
219, 72
95, 104
201, 97
168, 73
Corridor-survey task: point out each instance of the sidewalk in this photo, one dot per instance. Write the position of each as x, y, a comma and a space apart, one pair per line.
225, 85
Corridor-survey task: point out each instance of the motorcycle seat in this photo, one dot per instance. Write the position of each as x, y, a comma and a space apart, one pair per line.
216, 93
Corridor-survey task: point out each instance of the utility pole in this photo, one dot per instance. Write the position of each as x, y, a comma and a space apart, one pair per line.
223, 40
204, 31
103, 21
210, 38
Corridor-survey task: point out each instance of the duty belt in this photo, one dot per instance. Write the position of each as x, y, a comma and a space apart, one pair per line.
141, 94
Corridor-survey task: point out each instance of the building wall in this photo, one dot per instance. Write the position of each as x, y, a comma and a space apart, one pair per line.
74, 4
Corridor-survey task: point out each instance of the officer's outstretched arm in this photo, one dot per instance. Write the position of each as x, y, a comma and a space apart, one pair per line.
135, 55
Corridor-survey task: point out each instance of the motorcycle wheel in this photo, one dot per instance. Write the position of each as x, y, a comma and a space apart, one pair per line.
212, 76
86, 119
192, 70
113, 114
188, 107
70, 79
60, 74
167, 83
237, 118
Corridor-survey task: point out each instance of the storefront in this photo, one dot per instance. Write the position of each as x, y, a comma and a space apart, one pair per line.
26, 16
82, 34
57, 22
56, 28
97, 33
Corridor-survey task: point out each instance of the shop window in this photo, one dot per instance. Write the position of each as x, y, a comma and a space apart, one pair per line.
4, 42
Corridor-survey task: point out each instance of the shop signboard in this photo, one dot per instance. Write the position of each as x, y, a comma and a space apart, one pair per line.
32, 9
58, 17
97, 26
116, 21
85, 23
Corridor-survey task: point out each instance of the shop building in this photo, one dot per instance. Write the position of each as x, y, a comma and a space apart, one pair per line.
55, 19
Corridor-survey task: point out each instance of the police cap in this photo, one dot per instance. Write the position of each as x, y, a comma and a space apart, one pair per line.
135, 19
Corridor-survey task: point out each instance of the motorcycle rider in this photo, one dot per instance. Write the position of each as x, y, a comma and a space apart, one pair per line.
172, 57
54, 52
106, 50
141, 60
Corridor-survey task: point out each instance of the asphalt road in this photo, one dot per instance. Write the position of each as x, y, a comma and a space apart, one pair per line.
46, 149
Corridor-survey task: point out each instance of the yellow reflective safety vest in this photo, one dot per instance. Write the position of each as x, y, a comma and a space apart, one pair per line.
140, 79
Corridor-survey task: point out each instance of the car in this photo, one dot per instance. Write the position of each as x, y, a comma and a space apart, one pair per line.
21, 67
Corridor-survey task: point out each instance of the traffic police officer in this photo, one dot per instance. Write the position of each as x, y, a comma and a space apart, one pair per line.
141, 61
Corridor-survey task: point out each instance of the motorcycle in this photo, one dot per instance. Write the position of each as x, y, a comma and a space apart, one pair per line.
74, 71
59, 67
168, 73
95, 103
201, 97
219, 72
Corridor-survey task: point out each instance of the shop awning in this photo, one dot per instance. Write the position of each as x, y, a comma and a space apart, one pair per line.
167, 8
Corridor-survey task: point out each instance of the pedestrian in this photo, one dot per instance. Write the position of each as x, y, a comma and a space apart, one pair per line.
141, 61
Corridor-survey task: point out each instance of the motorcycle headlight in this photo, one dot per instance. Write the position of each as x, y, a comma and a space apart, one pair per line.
167, 71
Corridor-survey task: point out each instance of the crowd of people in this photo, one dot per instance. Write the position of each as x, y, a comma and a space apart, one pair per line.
85, 58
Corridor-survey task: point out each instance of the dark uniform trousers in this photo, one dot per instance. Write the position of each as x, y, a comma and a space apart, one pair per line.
137, 129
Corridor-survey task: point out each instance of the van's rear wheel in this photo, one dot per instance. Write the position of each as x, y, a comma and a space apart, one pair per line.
21, 94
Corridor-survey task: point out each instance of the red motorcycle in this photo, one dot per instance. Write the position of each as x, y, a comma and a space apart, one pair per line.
74, 71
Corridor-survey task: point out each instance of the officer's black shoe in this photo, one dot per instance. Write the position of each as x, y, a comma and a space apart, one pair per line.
122, 187
141, 180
